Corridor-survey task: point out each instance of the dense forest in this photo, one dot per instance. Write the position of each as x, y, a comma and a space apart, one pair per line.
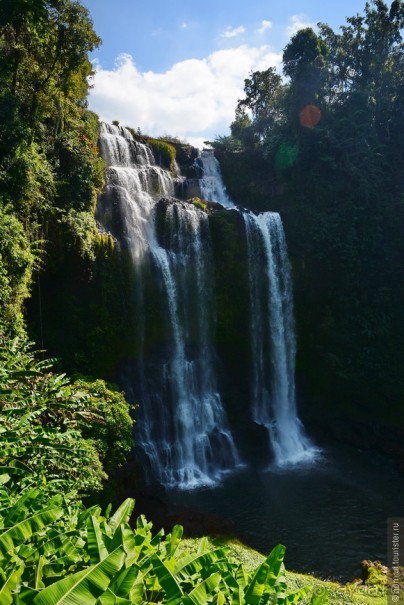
324, 147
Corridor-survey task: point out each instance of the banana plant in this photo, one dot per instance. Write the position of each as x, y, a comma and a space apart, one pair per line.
61, 554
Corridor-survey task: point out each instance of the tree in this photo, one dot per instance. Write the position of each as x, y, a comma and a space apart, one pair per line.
365, 61
44, 45
50, 170
261, 108
304, 62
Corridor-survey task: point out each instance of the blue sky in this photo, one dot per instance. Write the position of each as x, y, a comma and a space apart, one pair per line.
178, 67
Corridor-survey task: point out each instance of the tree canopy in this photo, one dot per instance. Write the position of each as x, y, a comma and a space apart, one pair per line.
331, 159
50, 171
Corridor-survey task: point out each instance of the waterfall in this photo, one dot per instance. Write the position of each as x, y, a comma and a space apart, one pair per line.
182, 425
273, 342
272, 330
211, 183
133, 179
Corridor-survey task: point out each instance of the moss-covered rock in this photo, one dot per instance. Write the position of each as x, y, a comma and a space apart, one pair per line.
164, 153
374, 573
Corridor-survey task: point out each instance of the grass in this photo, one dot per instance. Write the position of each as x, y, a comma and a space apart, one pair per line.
353, 593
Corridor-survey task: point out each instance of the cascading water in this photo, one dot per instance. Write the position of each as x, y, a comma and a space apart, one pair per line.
273, 341
182, 425
211, 183
127, 202
272, 331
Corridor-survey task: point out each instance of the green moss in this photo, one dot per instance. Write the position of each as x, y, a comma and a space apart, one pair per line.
163, 152
105, 241
201, 204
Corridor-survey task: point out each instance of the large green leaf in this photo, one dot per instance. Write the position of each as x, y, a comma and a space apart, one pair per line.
122, 588
198, 596
110, 598
10, 585
275, 564
95, 542
124, 582
122, 515
257, 586
192, 563
125, 537
173, 539
63, 543
84, 587
137, 590
265, 576
167, 581
12, 469
22, 531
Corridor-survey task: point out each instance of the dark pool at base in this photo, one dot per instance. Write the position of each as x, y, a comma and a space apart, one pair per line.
331, 515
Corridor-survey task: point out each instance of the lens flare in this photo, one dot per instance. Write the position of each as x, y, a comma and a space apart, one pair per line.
310, 116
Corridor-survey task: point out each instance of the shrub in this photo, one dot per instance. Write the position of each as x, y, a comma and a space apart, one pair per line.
53, 432
112, 432
54, 554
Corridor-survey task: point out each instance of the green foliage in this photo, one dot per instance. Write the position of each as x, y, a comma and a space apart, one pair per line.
112, 433
16, 264
56, 433
45, 64
263, 99
338, 185
198, 203
164, 153
53, 553
40, 425
304, 62
50, 171
81, 170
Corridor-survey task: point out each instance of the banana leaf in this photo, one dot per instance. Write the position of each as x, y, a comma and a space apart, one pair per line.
173, 539
167, 581
265, 576
95, 542
122, 515
198, 596
23, 531
84, 587
12, 582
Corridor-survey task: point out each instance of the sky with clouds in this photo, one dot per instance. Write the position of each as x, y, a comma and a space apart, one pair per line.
177, 67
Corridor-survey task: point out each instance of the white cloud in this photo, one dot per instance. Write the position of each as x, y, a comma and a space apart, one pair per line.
195, 99
264, 26
232, 32
298, 22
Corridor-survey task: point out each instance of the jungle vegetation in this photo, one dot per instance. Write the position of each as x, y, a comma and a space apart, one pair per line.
324, 146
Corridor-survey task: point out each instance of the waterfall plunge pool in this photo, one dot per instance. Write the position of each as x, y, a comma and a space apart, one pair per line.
330, 515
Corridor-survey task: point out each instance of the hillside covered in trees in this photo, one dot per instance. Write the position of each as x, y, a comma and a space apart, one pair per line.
324, 147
